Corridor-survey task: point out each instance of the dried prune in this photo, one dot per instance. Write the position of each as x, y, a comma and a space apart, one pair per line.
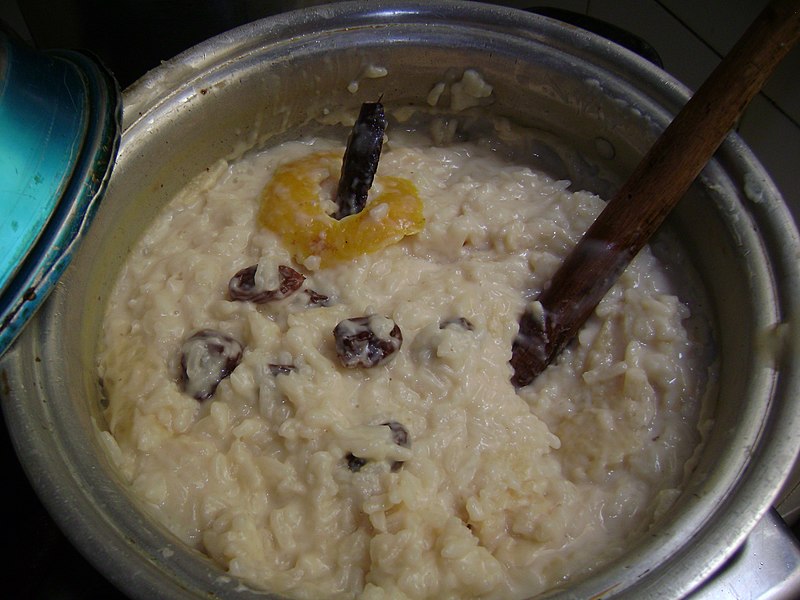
366, 341
360, 160
207, 357
242, 286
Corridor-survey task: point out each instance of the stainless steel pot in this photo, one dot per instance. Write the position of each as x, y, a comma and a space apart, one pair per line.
256, 84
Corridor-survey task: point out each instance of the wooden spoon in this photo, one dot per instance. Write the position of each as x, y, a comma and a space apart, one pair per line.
663, 176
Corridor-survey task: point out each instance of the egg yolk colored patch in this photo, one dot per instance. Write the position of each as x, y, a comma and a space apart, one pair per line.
293, 207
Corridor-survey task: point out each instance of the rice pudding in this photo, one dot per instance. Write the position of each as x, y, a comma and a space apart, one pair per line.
317, 464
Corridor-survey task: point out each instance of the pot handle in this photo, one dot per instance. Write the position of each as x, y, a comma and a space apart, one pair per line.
767, 566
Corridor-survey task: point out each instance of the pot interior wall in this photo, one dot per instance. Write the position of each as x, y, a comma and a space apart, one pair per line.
264, 92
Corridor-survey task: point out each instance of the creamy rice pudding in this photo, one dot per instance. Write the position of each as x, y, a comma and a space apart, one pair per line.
327, 420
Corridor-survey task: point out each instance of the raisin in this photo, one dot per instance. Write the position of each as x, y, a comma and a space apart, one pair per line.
399, 433
459, 321
207, 357
354, 463
242, 286
317, 299
276, 369
366, 341
401, 438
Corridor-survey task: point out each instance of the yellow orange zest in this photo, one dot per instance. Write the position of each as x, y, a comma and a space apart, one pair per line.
292, 207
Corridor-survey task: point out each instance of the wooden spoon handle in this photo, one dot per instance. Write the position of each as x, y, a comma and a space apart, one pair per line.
652, 191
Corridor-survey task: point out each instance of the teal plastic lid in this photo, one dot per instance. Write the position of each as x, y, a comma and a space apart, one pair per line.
60, 115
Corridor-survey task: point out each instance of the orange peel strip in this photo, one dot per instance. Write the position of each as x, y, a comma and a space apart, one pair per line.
292, 207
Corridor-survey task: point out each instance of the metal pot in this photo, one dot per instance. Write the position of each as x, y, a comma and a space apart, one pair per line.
259, 82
